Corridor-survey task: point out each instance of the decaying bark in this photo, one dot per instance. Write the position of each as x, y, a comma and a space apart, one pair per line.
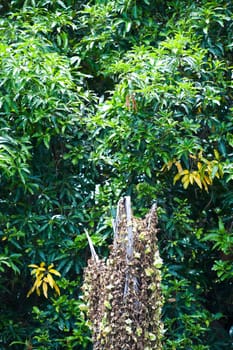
123, 294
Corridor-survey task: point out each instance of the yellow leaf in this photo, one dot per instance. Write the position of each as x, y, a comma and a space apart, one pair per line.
164, 167
191, 178
33, 265
38, 282
216, 154
35, 286
43, 278
184, 172
209, 169
185, 178
55, 272
185, 181
207, 179
45, 289
170, 164
31, 290
179, 166
41, 269
57, 288
186, 184
200, 155
192, 156
205, 185
176, 178
198, 180
50, 280
199, 165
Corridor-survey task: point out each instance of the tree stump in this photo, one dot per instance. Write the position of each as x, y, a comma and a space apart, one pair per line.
123, 294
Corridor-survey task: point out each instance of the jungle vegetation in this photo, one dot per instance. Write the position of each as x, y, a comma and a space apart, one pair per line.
98, 100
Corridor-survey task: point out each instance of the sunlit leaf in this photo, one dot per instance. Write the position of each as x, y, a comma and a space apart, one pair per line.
43, 278
176, 178
55, 272
45, 289
191, 178
33, 265
57, 289
179, 166
50, 280
198, 180
216, 154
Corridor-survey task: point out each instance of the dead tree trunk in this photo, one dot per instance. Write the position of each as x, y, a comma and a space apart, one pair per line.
123, 294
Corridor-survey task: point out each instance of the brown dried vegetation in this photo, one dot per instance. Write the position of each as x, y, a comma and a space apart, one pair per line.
123, 294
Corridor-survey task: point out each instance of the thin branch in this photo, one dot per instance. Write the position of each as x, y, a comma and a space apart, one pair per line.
115, 223
91, 246
129, 244
129, 227
151, 215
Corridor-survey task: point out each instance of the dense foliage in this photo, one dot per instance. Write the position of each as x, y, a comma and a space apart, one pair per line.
100, 99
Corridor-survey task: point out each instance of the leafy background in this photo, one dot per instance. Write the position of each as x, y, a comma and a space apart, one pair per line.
99, 99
